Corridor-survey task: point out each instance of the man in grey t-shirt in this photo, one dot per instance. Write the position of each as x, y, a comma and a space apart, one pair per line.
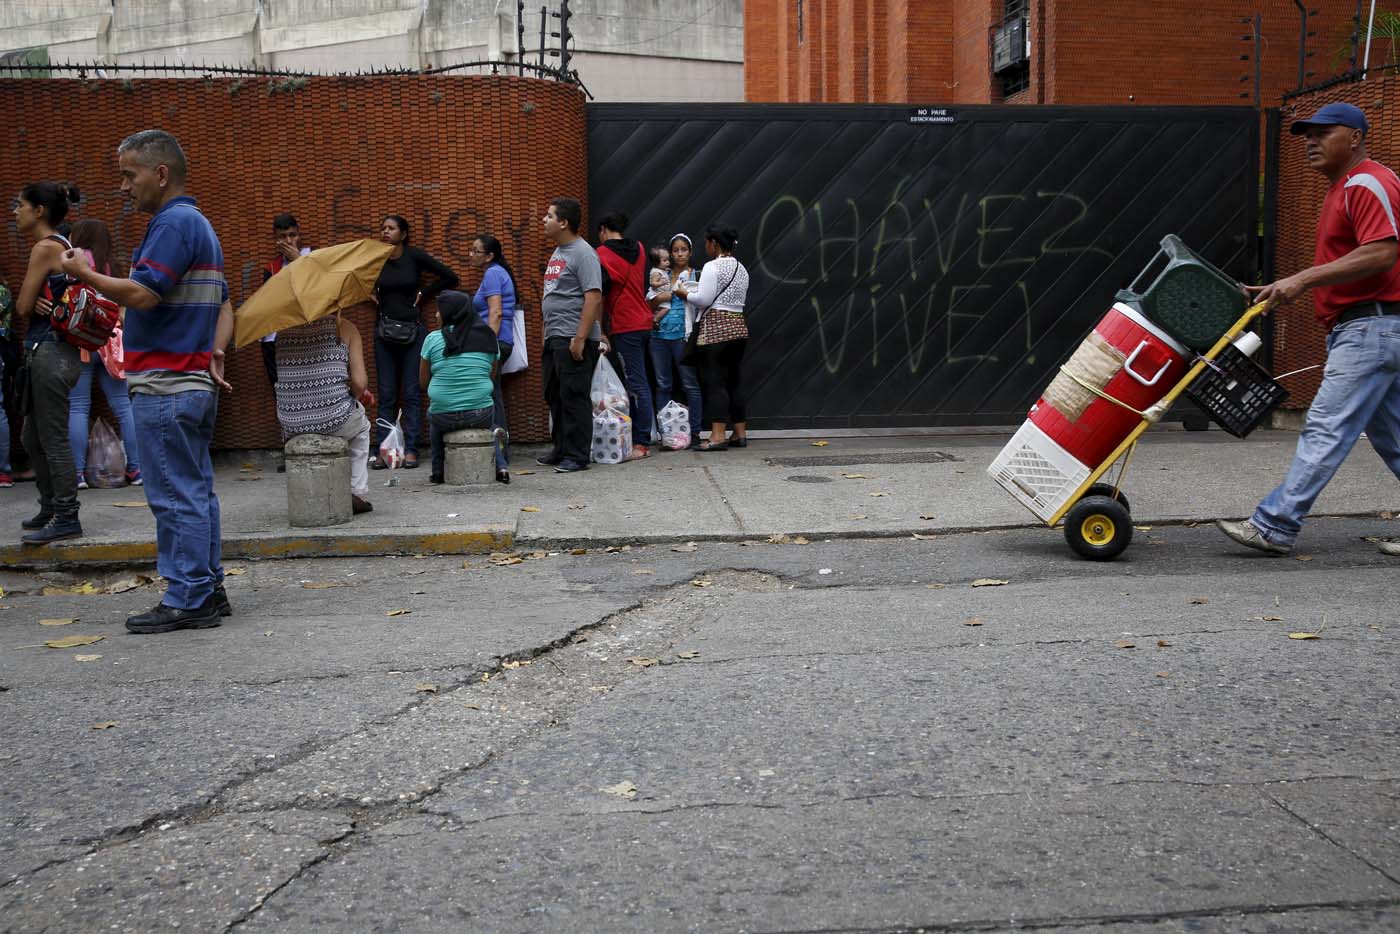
572, 307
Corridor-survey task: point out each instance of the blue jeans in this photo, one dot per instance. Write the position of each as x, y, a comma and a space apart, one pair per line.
4, 425
1360, 392
396, 367
440, 423
634, 348
80, 407
666, 354
173, 433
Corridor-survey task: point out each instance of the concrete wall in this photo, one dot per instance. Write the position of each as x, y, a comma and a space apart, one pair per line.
653, 50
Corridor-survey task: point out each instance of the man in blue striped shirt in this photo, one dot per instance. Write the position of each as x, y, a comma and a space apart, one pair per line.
178, 320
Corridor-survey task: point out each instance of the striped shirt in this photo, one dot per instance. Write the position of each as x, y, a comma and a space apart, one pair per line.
313, 380
168, 347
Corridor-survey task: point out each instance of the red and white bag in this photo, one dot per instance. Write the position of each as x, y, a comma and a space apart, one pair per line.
84, 318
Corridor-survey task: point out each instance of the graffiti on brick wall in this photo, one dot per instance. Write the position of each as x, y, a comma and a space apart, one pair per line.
918, 273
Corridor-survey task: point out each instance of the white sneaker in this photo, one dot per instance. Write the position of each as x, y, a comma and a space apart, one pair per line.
1390, 548
1246, 534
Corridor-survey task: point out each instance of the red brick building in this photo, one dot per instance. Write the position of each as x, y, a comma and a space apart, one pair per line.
1034, 51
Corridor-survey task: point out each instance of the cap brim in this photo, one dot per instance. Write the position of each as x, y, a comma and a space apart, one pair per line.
1299, 127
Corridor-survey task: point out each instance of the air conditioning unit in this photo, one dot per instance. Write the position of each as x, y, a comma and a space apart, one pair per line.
1010, 45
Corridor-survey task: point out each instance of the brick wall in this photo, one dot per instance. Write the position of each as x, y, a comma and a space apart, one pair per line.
1083, 51
457, 156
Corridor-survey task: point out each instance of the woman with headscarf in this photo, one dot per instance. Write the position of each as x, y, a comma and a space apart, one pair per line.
455, 369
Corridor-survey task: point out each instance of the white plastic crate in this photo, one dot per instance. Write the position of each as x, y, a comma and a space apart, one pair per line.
1037, 471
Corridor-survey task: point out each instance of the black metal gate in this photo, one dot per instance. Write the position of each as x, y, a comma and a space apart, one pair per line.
927, 266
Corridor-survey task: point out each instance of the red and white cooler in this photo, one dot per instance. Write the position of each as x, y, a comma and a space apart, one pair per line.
1122, 368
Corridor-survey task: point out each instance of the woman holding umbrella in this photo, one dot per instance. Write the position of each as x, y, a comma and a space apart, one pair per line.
398, 332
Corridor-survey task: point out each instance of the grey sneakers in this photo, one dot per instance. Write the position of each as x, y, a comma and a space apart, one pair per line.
1246, 534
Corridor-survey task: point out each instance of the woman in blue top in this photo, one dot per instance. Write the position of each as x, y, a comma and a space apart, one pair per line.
674, 320
495, 304
455, 369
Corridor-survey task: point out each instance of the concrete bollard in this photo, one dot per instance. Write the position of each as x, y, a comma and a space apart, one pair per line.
470, 457
318, 481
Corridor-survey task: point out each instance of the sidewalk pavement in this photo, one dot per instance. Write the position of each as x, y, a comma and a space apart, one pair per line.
867, 486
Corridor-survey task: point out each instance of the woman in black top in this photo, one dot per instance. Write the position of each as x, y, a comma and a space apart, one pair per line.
398, 333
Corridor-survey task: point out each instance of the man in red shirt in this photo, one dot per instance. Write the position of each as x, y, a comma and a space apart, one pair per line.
1355, 281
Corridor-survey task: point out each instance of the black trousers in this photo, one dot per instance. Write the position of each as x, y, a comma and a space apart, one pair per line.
566, 385
721, 383
269, 355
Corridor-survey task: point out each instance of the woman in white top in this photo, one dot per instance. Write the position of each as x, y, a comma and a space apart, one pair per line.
719, 349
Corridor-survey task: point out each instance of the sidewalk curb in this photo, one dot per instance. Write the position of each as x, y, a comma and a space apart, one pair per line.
314, 545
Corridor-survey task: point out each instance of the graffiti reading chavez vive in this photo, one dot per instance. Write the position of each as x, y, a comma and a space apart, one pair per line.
929, 273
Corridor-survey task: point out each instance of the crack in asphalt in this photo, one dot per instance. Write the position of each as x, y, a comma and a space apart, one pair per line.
1328, 837
328, 847
1096, 921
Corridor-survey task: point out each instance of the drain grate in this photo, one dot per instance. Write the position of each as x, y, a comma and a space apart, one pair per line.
808, 478
850, 460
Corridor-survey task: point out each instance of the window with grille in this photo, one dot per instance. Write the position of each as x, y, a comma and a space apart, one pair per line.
801, 22
1010, 48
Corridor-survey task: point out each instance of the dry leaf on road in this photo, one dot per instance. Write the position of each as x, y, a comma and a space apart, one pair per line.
687, 655
85, 587
72, 642
86, 658
514, 665
857, 515
854, 476
64, 621
234, 572
927, 516
1126, 645
621, 789
425, 687
686, 548
989, 582
974, 621
879, 493
1163, 644
399, 612
641, 661
924, 538
129, 504
1302, 557
702, 582
321, 585
820, 444
1268, 619
529, 509
104, 725
1304, 635
1164, 674
1198, 601
128, 583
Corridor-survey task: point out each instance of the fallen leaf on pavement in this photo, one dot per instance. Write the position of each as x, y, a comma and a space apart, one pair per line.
128, 583
975, 621
686, 548
924, 538
934, 586
1126, 645
1143, 528
621, 789
702, 582
854, 476
1268, 619
86, 658
63, 621
571, 506
523, 473
578, 551
687, 655
321, 585
1304, 635
72, 642
988, 582
398, 612
513, 665
879, 493
104, 725
1198, 601
825, 571
1163, 644
234, 572
927, 516
129, 504
53, 591
820, 444
643, 571
857, 515
641, 661
1302, 557
471, 706
529, 509
425, 687
1164, 674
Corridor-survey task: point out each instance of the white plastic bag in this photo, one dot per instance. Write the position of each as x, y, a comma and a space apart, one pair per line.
612, 438
519, 358
391, 449
607, 392
106, 459
673, 425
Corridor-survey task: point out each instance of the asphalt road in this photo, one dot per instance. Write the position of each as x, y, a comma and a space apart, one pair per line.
837, 736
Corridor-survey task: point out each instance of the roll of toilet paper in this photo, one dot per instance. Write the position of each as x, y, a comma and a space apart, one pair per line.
1247, 343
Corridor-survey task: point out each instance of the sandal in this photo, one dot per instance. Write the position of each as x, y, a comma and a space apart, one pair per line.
737, 442
639, 451
410, 464
707, 446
